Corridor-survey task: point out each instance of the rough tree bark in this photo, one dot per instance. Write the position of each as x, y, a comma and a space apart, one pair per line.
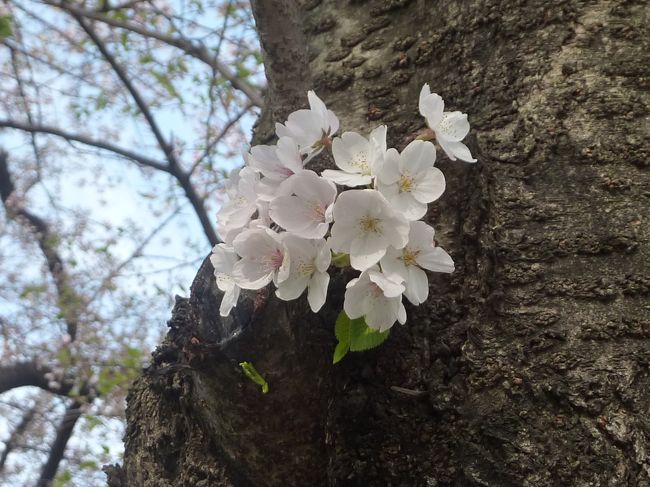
528, 365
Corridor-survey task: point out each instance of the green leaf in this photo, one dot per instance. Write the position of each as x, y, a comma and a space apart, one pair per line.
132, 358
258, 58
101, 102
341, 260
119, 15
362, 337
5, 26
182, 66
243, 71
124, 40
146, 58
355, 336
88, 464
342, 331
33, 289
340, 351
64, 356
342, 327
63, 478
164, 80
92, 422
254, 375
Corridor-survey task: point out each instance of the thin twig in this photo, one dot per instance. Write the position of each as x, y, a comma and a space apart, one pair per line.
135, 254
100, 144
175, 168
197, 51
68, 300
220, 136
57, 449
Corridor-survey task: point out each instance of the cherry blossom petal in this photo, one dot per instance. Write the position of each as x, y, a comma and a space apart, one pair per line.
401, 313
289, 155
417, 285
456, 150
355, 298
290, 213
390, 172
350, 152
229, 301
343, 178
292, 287
404, 203
431, 106
285, 269
421, 235
391, 288
417, 157
317, 293
365, 251
454, 126
397, 230
250, 275
436, 260
323, 258
309, 186
429, 187
382, 314
392, 263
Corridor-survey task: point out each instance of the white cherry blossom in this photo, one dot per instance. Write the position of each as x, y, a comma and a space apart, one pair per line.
264, 258
223, 260
357, 158
311, 129
365, 226
277, 163
306, 209
419, 253
277, 215
262, 220
409, 181
237, 212
308, 270
450, 127
377, 297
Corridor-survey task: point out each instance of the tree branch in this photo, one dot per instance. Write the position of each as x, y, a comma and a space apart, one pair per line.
197, 203
135, 94
16, 434
63, 434
48, 63
68, 299
136, 253
220, 136
45, 129
31, 373
197, 51
28, 112
175, 168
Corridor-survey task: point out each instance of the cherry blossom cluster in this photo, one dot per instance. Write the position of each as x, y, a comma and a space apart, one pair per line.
284, 223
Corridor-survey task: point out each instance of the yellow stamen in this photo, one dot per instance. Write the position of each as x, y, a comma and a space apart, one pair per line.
405, 184
317, 212
409, 256
360, 160
369, 224
306, 268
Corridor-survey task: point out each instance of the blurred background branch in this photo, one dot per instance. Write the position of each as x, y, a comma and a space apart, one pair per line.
117, 126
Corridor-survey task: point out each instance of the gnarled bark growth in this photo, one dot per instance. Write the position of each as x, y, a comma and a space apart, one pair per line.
527, 366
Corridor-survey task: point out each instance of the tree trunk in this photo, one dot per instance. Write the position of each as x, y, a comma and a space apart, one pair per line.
526, 367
